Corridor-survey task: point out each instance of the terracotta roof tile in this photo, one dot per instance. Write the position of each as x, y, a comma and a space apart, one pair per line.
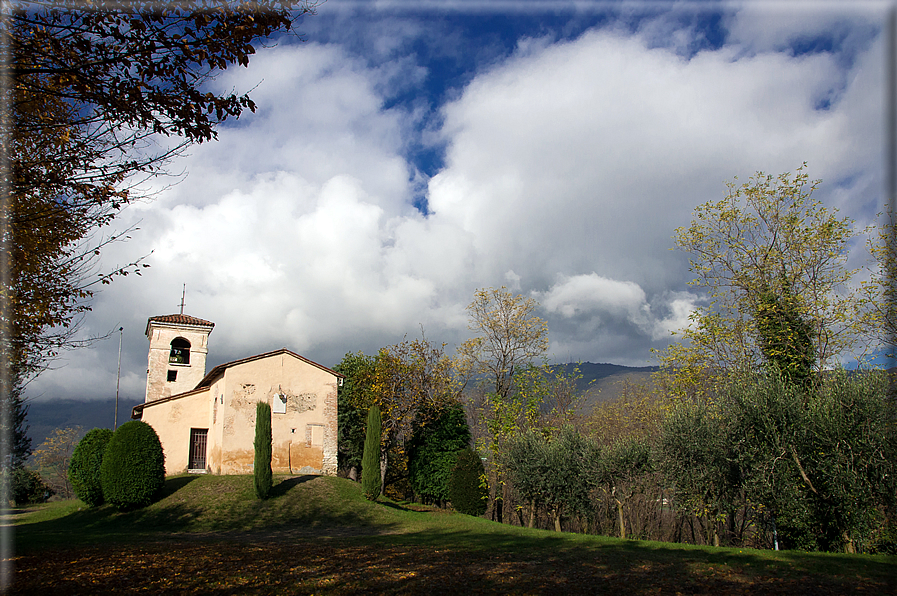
181, 319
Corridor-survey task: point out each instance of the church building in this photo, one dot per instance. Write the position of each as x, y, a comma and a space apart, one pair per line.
206, 422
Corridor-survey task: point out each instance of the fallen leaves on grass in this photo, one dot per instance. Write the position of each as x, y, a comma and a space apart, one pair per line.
324, 566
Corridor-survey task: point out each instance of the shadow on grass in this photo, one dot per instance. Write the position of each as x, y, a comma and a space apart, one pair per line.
393, 505
664, 560
173, 485
548, 563
443, 564
214, 505
281, 488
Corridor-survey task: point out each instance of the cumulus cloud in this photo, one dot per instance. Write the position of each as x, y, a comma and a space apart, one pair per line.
581, 294
567, 167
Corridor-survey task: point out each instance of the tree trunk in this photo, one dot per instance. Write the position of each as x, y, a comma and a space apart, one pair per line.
620, 518
557, 520
849, 546
532, 514
382, 472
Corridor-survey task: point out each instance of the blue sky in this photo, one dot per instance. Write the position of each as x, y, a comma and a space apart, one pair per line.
405, 154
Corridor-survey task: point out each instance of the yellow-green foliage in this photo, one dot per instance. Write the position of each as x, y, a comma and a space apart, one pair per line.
637, 413
508, 335
766, 235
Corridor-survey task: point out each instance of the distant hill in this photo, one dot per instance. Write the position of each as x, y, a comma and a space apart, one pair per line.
45, 416
604, 382
592, 373
601, 382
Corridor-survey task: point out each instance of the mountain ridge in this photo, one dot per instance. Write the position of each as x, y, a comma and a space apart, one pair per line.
46, 415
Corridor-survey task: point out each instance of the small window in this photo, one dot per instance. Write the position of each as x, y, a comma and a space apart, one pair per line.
172, 376
180, 351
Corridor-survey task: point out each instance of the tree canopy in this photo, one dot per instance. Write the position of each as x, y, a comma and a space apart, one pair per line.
773, 262
90, 87
508, 336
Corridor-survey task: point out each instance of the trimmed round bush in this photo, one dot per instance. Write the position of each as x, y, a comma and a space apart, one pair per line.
467, 489
84, 467
133, 468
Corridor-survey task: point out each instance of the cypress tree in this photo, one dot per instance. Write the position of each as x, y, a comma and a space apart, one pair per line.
263, 439
370, 462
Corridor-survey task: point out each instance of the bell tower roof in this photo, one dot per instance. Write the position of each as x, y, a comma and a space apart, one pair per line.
178, 320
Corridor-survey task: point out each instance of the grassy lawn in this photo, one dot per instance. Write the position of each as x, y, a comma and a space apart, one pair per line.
317, 535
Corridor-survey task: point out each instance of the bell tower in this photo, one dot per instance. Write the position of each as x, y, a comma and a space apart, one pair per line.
177, 354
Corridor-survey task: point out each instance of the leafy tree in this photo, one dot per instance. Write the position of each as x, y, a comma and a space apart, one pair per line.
881, 290
509, 335
638, 412
88, 87
850, 457
371, 484
556, 474
353, 395
526, 465
697, 459
15, 444
821, 467
766, 422
467, 485
541, 397
432, 451
53, 457
262, 475
621, 463
767, 248
133, 470
84, 467
410, 382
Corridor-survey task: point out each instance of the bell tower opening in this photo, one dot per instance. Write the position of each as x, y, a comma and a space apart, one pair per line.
177, 354
180, 351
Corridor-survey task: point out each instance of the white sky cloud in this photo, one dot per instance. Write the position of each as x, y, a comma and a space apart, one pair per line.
568, 165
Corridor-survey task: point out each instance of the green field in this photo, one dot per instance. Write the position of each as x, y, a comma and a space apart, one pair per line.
317, 535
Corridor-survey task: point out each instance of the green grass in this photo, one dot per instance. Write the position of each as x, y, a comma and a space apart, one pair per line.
224, 509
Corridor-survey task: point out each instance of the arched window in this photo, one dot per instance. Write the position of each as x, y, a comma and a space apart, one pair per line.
180, 351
